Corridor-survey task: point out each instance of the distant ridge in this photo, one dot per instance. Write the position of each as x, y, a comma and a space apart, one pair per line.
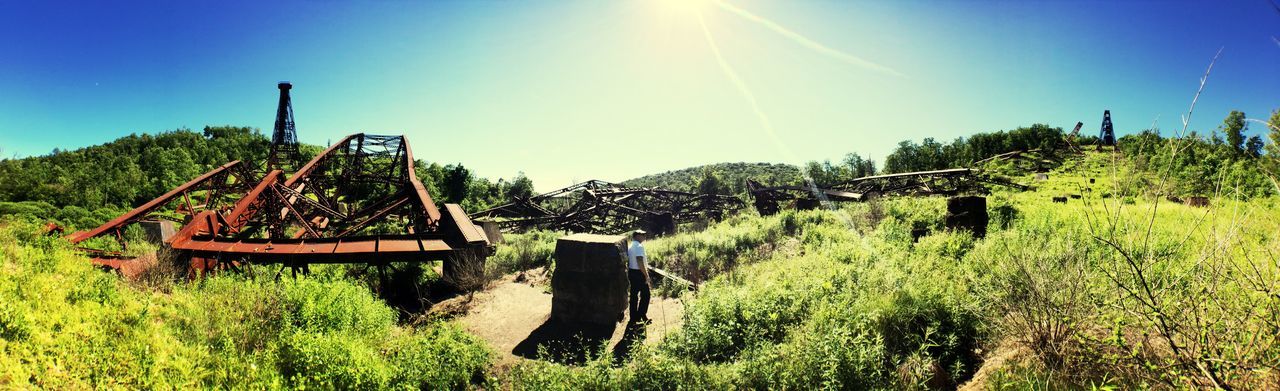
732, 175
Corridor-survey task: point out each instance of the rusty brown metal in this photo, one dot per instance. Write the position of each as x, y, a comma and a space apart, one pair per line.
606, 208
352, 176
145, 210
358, 201
769, 199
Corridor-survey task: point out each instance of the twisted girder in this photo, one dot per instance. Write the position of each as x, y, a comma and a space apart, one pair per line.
206, 192
940, 182
602, 207
358, 201
364, 186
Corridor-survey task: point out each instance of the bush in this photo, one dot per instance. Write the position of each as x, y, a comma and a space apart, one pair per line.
64, 324
523, 252
442, 357
331, 361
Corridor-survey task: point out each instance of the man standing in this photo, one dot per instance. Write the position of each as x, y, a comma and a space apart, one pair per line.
638, 274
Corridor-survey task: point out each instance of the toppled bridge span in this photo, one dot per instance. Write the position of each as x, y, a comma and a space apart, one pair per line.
606, 208
359, 201
769, 199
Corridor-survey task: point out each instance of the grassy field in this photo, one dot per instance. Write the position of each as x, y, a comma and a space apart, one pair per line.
1111, 289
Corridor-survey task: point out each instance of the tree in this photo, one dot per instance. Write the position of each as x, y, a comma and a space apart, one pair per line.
457, 180
1234, 127
1273, 133
825, 174
859, 167
711, 183
1253, 147
1272, 163
520, 187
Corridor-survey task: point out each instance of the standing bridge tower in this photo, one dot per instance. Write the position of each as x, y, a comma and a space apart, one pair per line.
1108, 134
284, 139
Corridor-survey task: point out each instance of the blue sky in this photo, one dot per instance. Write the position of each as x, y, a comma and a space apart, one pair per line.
574, 90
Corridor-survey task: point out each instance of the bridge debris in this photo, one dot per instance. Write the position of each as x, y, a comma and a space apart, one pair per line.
769, 199
359, 201
605, 208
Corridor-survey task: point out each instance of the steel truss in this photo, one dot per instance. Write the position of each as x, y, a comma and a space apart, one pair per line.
357, 202
606, 208
769, 199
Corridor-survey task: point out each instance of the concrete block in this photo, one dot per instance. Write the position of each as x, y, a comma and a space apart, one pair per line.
589, 284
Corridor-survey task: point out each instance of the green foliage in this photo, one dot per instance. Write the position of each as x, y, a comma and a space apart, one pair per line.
1193, 166
129, 170
711, 183
456, 184
853, 166
66, 325
1234, 127
732, 175
933, 155
523, 252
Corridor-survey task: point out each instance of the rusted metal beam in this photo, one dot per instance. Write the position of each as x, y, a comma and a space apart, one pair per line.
143, 210
768, 199
330, 202
602, 207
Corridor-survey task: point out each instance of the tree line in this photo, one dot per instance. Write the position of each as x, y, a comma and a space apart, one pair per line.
1223, 161
87, 186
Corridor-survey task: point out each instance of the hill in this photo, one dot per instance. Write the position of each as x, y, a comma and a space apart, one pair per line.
85, 187
731, 176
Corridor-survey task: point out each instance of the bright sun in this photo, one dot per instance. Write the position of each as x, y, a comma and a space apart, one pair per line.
685, 6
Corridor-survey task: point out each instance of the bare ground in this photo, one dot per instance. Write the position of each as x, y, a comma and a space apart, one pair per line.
1005, 354
512, 308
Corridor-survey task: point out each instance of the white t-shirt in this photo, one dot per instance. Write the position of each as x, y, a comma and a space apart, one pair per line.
636, 250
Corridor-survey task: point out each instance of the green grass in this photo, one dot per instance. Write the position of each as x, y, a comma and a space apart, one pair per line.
1096, 290
66, 325
845, 299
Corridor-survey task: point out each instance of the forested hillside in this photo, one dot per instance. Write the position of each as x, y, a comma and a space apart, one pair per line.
875, 295
719, 178
85, 187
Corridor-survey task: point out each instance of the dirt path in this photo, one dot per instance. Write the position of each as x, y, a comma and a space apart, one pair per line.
508, 312
1005, 354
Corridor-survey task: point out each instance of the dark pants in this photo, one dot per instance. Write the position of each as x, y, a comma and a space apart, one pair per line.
639, 295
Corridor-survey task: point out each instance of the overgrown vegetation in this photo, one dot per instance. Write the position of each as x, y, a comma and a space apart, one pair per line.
86, 187
726, 178
66, 325
1123, 286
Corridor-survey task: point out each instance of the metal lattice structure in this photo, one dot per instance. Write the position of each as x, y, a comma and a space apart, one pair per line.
606, 208
1107, 136
769, 199
209, 191
1033, 160
284, 138
359, 201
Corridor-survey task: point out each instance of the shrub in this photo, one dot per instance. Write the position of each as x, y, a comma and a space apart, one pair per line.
64, 324
441, 357
332, 361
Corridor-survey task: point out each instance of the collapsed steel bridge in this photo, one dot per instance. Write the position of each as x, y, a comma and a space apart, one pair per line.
769, 199
1032, 160
359, 201
601, 207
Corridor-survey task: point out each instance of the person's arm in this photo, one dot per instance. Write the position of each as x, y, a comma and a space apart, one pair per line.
644, 268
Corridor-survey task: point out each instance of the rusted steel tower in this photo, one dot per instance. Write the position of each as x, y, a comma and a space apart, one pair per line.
1108, 135
284, 140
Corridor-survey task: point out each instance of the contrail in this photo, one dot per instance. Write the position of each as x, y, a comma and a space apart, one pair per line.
746, 92
805, 41
764, 119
